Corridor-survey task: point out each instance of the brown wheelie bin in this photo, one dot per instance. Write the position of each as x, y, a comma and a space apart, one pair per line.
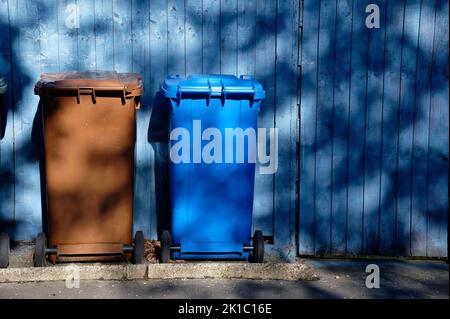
89, 136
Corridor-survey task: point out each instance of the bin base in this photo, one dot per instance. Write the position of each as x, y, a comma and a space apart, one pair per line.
89, 252
210, 250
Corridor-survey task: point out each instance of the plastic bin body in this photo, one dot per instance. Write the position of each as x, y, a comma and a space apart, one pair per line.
3, 87
89, 136
212, 203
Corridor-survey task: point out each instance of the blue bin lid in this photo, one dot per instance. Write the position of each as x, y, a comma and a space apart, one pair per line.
213, 86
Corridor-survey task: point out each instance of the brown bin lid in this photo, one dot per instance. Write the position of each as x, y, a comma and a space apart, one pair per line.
129, 83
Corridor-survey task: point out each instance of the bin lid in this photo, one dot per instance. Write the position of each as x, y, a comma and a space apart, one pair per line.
213, 86
129, 83
3, 85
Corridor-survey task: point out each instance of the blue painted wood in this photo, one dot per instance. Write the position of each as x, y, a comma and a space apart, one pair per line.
324, 126
246, 33
122, 35
6, 128
419, 181
405, 137
211, 40
356, 129
264, 72
372, 152
340, 127
285, 119
176, 38
308, 105
67, 36
48, 39
26, 66
391, 98
144, 207
104, 44
438, 147
86, 35
194, 37
228, 38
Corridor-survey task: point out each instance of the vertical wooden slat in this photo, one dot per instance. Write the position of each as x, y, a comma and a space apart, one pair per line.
67, 36
104, 44
122, 35
340, 126
421, 130
144, 186
228, 37
211, 37
194, 37
265, 73
308, 117
158, 62
405, 138
356, 128
48, 25
324, 126
176, 37
285, 118
394, 30
438, 154
26, 68
246, 37
372, 164
86, 35
6, 125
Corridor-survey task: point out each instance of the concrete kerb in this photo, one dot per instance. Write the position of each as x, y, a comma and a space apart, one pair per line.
267, 271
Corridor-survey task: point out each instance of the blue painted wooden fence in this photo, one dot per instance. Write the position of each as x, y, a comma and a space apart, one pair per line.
373, 106
153, 38
374, 129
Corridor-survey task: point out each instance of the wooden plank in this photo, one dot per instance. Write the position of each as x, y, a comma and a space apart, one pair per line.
6, 127
67, 36
356, 128
176, 38
246, 37
388, 190
228, 38
159, 67
340, 127
374, 107
144, 197
104, 45
122, 35
421, 129
285, 119
263, 208
48, 25
324, 126
86, 35
26, 68
308, 117
438, 154
405, 138
211, 37
194, 37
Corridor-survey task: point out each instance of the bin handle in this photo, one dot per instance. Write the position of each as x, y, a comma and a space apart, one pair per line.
86, 91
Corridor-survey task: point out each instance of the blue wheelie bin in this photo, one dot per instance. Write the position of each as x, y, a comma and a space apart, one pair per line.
213, 152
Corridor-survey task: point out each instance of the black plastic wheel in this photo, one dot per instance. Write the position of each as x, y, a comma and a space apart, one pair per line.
138, 252
4, 250
258, 247
166, 243
39, 250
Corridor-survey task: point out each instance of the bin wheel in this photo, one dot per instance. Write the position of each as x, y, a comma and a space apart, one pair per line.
39, 250
166, 243
258, 247
4, 250
138, 252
